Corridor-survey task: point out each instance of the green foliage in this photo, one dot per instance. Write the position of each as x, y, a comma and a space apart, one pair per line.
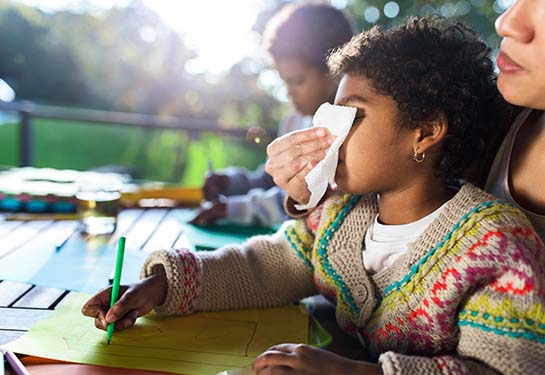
8, 147
30, 53
105, 61
479, 14
165, 155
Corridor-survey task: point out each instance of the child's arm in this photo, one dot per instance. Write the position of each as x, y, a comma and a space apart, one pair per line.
238, 181
264, 207
264, 271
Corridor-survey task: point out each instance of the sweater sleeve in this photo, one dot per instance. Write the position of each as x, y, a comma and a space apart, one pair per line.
265, 271
291, 211
501, 321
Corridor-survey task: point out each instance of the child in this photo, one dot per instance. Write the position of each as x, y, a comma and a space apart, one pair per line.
297, 39
432, 279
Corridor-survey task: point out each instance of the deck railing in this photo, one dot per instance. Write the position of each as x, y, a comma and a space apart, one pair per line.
28, 111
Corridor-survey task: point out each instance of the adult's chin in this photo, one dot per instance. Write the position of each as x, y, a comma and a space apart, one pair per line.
516, 90
508, 89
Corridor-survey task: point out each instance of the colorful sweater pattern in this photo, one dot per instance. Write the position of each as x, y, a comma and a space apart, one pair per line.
467, 298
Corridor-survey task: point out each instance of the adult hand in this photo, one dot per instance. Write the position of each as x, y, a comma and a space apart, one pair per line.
209, 212
135, 300
293, 155
301, 359
214, 185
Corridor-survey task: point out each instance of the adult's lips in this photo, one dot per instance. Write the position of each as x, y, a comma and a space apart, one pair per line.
507, 65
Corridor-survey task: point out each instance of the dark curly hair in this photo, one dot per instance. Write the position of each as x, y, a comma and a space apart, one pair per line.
307, 32
430, 66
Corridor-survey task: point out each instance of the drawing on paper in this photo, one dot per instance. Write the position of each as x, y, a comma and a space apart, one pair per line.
202, 343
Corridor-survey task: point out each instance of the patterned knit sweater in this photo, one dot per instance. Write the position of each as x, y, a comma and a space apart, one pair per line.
467, 298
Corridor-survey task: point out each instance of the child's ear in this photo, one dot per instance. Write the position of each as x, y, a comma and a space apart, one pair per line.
430, 133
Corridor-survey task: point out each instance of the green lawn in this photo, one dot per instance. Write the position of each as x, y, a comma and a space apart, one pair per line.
165, 155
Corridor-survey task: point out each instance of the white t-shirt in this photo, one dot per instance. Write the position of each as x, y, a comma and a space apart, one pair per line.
385, 243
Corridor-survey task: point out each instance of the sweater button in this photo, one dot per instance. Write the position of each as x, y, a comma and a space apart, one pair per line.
360, 294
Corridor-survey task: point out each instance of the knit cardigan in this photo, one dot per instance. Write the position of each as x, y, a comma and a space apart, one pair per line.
467, 297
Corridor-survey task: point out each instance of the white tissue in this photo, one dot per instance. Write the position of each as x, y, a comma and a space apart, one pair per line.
338, 119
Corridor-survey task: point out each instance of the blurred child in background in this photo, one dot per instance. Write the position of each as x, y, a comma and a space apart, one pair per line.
297, 40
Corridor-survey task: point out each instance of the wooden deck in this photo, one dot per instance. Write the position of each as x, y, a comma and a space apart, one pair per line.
32, 248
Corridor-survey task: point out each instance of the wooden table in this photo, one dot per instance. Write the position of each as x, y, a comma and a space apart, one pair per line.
29, 248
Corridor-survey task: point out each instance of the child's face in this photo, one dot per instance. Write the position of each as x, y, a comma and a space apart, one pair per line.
522, 74
308, 86
376, 155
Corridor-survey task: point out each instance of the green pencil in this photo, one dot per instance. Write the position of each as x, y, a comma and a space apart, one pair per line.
117, 280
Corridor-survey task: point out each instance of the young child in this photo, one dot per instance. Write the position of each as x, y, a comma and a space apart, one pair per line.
432, 279
297, 40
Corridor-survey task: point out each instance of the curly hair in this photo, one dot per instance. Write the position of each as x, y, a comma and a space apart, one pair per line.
307, 32
431, 66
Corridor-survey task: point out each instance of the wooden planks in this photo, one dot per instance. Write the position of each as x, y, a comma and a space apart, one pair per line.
125, 220
15, 322
9, 335
145, 226
40, 297
21, 235
28, 305
29, 247
30, 257
20, 319
7, 226
166, 234
11, 291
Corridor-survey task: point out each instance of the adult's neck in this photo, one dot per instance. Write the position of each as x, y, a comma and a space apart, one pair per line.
413, 201
526, 180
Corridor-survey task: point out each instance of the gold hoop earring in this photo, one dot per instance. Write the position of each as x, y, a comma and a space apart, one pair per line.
419, 157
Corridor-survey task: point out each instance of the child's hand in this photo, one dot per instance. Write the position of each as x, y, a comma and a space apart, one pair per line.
135, 300
305, 360
215, 185
209, 213
293, 155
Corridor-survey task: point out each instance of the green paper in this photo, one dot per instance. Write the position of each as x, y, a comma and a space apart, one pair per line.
202, 343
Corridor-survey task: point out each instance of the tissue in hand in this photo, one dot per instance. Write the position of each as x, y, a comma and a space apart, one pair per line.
338, 119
